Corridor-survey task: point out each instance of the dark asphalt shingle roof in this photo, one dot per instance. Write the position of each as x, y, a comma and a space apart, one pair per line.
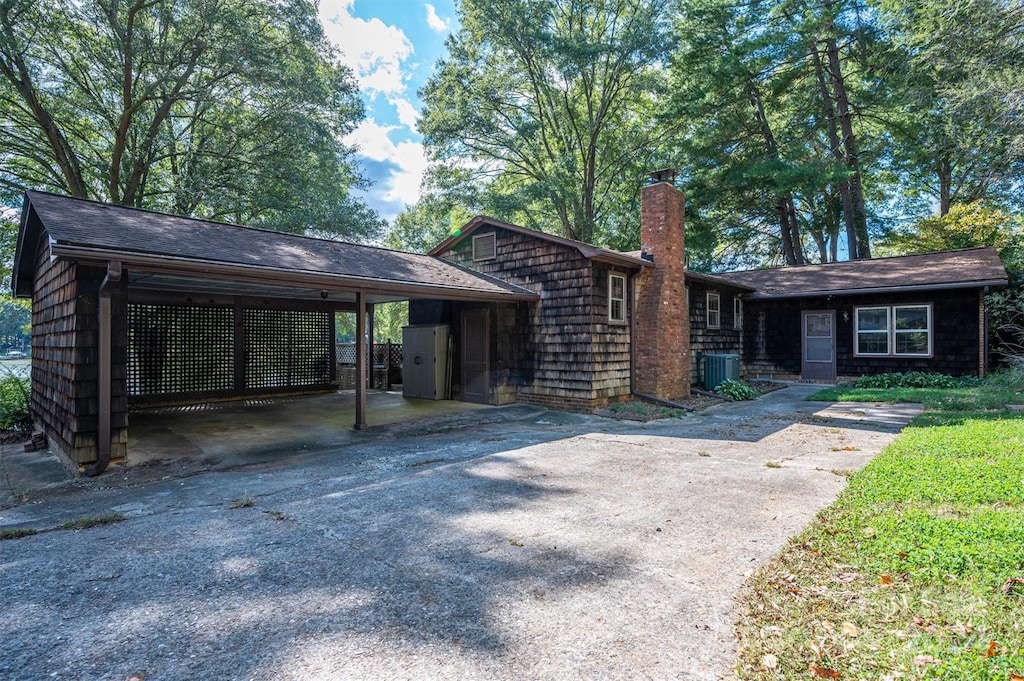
81, 223
948, 269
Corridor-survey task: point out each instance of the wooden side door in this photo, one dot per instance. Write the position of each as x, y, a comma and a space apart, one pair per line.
475, 355
818, 346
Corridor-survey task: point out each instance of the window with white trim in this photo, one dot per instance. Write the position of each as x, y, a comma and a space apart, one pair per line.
616, 298
714, 311
737, 313
484, 247
893, 331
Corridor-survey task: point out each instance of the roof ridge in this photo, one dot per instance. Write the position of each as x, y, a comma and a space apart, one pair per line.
859, 260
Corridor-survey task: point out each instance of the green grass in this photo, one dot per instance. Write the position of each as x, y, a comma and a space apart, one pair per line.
914, 572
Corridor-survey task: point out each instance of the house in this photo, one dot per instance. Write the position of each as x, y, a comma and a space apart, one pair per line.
133, 308
908, 313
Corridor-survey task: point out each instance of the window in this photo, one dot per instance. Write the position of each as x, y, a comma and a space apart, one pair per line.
714, 311
896, 330
484, 247
616, 298
737, 313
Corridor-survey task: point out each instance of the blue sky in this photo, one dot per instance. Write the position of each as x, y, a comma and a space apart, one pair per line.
391, 47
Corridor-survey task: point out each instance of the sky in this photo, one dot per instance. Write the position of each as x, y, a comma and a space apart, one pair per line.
391, 47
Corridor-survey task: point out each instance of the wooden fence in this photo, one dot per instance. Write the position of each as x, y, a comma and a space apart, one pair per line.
385, 368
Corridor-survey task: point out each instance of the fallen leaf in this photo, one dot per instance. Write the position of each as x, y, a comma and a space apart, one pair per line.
992, 650
925, 660
1016, 677
869, 532
850, 629
769, 661
825, 672
886, 579
793, 590
1010, 583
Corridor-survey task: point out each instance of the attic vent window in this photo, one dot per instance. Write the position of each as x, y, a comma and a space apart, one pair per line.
484, 247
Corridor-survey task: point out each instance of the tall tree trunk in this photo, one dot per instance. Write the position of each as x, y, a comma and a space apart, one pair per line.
849, 148
845, 194
792, 249
944, 169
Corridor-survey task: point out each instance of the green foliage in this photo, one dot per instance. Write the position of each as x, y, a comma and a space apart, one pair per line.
910, 379
231, 110
737, 390
14, 404
550, 103
964, 226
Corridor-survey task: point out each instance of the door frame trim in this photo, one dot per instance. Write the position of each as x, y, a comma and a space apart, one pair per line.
803, 344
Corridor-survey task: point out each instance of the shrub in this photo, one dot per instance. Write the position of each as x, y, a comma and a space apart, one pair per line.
911, 379
14, 399
737, 390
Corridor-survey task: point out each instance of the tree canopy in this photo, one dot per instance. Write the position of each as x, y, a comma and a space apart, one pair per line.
229, 110
551, 103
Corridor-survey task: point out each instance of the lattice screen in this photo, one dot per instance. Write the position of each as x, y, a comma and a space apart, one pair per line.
287, 348
177, 349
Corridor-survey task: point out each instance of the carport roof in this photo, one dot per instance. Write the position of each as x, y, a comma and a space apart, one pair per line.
181, 248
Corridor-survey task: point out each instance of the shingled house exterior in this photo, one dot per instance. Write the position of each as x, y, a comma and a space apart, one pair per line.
132, 308
908, 313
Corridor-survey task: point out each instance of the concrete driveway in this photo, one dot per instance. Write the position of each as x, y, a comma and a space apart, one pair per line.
547, 547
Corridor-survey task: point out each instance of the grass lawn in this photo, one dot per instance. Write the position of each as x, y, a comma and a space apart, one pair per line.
917, 570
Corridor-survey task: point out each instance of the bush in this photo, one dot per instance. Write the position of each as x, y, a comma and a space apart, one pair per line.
14, 399
737, 390
911, 379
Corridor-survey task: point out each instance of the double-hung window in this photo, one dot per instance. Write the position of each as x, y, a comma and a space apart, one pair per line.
893, 331
616, 298
737, 313
714, 311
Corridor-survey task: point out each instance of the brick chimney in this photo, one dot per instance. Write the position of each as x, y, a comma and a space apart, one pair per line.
661, 341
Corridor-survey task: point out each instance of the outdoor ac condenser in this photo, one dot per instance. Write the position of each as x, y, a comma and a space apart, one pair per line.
719, 368
425, 361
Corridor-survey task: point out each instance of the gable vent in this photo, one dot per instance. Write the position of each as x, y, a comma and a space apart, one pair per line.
484, 247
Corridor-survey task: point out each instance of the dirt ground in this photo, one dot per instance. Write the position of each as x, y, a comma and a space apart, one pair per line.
552, 546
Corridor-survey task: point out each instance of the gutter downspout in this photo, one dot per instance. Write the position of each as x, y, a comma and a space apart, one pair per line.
110, 282
632, 340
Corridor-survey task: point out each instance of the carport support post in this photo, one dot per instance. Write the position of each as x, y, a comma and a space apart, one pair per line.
360, 361
104, 370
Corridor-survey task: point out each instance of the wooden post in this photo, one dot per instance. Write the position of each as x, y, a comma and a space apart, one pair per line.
369, 342
361, 360
104, 370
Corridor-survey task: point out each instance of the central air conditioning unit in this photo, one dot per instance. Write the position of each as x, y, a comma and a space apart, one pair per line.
719, 368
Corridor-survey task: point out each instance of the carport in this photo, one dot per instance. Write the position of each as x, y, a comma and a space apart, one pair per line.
132, 307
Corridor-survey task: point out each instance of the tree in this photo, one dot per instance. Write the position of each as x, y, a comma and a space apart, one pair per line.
550, 103
773, 95
961, 120
230, 109
964, 225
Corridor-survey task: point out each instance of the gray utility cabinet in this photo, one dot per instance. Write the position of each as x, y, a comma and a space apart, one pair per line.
425, 361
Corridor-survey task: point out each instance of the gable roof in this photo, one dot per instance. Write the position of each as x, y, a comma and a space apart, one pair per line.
91, 231
589, 251
966, 268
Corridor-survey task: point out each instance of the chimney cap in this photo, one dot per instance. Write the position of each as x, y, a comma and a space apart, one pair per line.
663, 175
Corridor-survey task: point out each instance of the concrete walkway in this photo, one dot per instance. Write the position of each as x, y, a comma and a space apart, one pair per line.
548, 547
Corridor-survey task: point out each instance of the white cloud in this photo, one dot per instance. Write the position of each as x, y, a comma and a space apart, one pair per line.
435, 22
407, 113
374, 142
372, 49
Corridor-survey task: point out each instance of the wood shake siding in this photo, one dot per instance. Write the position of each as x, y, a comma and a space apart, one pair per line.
772, 334
65, 342
703, 340
560, 351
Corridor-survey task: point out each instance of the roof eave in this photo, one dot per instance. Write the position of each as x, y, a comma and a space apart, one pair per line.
883, 289
273, 276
